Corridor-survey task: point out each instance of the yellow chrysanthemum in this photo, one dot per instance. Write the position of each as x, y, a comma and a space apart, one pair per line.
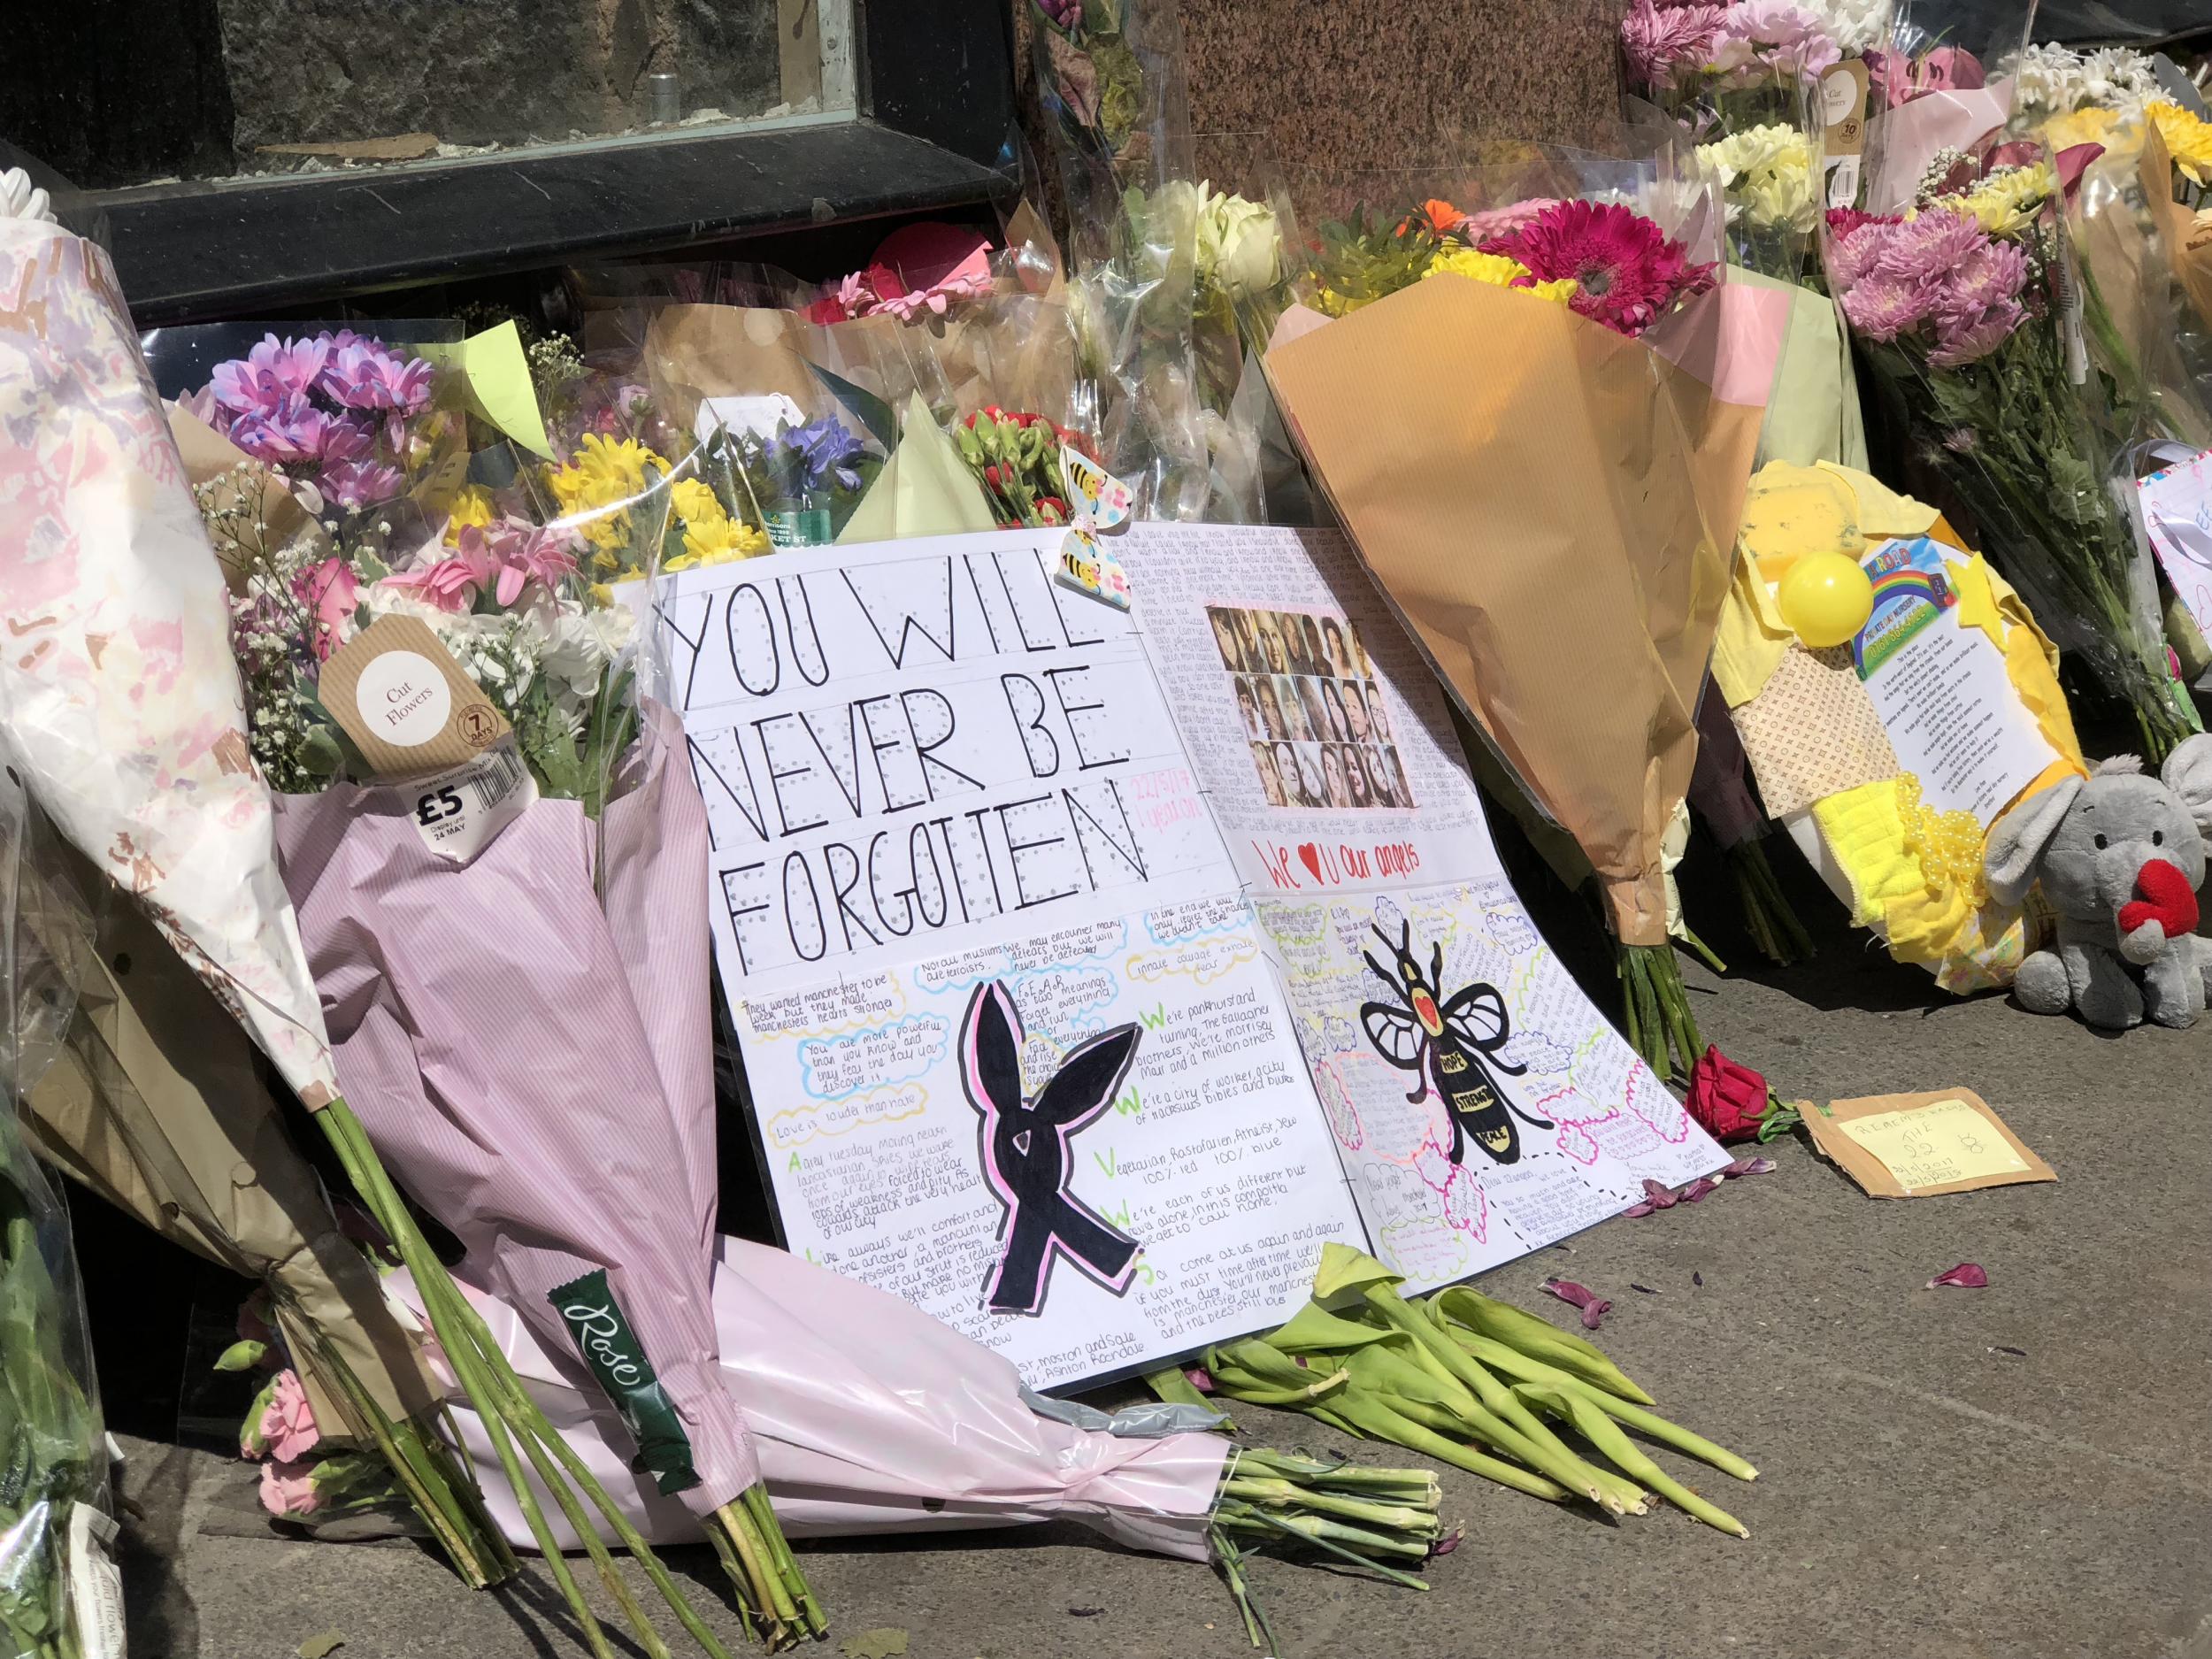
1496, 270
472, 510
2092, 124
718, 542
604, 471
1765, 173
694, 502
2009, 200
2188, 139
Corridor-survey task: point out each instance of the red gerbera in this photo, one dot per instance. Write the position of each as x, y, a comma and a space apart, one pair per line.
1627, 275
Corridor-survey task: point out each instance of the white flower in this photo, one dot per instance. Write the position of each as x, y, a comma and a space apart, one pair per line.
1765, 173
1854, 25
2055, 80
1240, 245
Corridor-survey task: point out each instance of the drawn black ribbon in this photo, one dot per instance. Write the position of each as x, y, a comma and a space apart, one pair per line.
1026, 1156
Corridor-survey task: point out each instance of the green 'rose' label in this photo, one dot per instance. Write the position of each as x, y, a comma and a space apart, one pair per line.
604, 1337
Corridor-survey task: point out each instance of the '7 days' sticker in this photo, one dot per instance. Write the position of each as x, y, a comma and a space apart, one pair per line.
458, 813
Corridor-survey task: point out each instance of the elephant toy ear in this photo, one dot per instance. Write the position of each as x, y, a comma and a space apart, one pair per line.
2188, 773
2017, 841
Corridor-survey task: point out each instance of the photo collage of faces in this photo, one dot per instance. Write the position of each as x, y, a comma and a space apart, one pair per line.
1312, 709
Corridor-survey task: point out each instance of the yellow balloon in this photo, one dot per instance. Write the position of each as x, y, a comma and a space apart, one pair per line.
1825, 598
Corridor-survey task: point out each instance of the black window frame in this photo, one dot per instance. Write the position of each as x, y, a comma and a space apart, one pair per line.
934, 90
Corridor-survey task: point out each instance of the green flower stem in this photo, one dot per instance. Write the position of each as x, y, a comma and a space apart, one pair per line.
491, 1384
1600, 1430
787, 1564
447, 1500
1660, 1023
1648, 1422
1382, 1422
1774, 925
1533, 1443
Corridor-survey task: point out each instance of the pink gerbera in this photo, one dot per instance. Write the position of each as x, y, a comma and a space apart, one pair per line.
1627, 273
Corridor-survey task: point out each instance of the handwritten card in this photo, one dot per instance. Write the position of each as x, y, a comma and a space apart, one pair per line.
1916, 1146
1940, 686
2177, 512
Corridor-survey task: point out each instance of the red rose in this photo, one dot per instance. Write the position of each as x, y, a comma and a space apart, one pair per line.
1728, 1101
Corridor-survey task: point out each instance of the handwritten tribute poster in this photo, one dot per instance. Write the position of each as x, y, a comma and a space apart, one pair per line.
1077, 1013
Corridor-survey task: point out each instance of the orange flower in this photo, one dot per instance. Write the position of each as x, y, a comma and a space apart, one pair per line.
1436, 215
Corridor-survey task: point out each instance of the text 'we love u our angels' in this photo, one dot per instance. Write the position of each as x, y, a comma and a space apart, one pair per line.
894, 745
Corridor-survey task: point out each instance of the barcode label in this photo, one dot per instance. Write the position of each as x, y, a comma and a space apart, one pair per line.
459, 813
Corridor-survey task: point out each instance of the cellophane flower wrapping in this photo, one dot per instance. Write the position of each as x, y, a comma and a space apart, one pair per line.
1970, 312
1116, 112
872, 1417
1581, 434
52, 1440
1944, 80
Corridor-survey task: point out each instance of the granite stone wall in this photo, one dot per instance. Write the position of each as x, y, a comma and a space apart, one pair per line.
1368, 84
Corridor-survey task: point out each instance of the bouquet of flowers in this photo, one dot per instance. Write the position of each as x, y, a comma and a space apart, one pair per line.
153, 1102
125, 720
347, 421
528, 1165
1492, 362
1110, 77
1967, 309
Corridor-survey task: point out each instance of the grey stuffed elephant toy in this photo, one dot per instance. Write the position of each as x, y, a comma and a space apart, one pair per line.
2120, 856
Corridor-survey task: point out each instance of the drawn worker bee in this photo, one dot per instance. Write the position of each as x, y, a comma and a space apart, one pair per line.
1453, 1044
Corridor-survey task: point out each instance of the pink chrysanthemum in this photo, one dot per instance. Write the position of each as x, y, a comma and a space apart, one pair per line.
1761, 37
1927, 248
1987, 277
1661, 43
1881, 306
1627, 273
1962, 343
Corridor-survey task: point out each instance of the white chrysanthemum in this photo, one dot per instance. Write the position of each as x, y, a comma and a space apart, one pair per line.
2055, 80
1855, 25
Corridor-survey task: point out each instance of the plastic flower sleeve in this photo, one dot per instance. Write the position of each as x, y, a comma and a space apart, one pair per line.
1109, 76
871, 1417
1944, 82
55, 1509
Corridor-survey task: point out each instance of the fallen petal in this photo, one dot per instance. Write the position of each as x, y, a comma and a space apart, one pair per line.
1646, 1289
1697, 1279
1640, 1210
1965, 1276
1592, 1305
1695, 1193
1749, 1166
1445, 1545
1658, 1196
